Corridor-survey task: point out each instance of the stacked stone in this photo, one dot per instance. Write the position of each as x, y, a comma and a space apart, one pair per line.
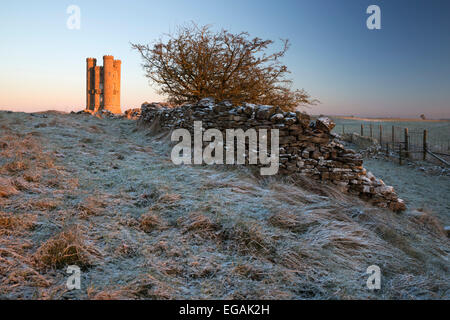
306, 147
133, 114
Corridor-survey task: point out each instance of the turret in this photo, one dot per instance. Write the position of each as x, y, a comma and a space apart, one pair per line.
108, 80
97, 88
90, 64
117, 67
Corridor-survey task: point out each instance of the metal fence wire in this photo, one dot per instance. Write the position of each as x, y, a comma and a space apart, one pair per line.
411, 143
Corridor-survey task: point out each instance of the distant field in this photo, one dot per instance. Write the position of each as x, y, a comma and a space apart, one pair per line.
438, 130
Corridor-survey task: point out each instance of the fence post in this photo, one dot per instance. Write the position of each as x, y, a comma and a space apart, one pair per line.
393, 136
400, 153
371, 135
343, 129
362, 130
425, 134
406, 143
381, 135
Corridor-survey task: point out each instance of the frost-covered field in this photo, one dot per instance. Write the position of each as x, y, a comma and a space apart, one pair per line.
104, 195
420, 189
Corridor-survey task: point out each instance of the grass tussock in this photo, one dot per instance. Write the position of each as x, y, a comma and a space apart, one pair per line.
151, 221
7, 188
16, 264
400, 241
240, 186
22, 185
429, 222
91, 206
126, 250
249, 271
200, 225
66, 248
41, 204
15, 166
32, 176
248, 239
290, 221
169, 198
46, 204
10, 222
149, 287
112, 294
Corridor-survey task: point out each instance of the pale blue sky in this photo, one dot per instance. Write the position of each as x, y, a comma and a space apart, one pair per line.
401, 70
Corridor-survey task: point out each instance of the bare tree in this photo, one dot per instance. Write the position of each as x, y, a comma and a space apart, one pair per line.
195, 62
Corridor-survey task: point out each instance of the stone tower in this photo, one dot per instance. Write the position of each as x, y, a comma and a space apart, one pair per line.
103, 85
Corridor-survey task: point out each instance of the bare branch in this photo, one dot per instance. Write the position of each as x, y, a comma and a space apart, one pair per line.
195, 62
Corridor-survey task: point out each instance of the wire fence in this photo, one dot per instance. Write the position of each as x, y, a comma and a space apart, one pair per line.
411, 143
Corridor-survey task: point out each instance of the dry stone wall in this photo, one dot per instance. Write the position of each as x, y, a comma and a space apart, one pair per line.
306, 147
